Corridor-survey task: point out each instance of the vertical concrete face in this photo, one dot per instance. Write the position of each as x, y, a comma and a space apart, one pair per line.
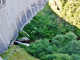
2, 45
33, 11
23, 19
35, 5
1, 58
14, 14
29, 14
18, 24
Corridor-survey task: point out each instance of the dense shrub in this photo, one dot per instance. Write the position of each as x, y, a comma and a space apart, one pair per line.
60, 56
58, 40
77, 31
69, 10
39, 48
60, 44
72, 47
46, 25
22, 34
57, 56
47, 57
62, 40
69, 37
75, 56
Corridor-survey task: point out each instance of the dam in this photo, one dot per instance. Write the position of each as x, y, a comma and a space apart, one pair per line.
14, 14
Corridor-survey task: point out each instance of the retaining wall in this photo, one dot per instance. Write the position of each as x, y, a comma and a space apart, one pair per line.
14, 14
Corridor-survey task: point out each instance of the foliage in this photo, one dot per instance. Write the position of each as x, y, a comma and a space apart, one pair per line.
21, 34
62, 40
58, 40
46, 25
63, 44
57, 56
39, 48
77, 31
69, 10
47, 57
75, 56
60, 56
69, 37
66, 27
73, 47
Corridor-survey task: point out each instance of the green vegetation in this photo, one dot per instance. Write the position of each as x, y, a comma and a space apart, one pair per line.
46, 24
17, 54
68, 10
61, 47
22, 34
55, 38
57, 56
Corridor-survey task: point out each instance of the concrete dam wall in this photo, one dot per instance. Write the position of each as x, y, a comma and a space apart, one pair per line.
14, 14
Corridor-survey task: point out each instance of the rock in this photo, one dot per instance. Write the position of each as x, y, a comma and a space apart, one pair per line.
1, 58
25, 39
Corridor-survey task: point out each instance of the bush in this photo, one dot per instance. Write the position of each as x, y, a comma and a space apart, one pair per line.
42, 54
46, 25
59, 44
62, 40
75, 56
72, 47
36, 49
58, 40
77, 31
68, 10
60, 56
69, 37
49, 50
57, 56
22, 34
47, 57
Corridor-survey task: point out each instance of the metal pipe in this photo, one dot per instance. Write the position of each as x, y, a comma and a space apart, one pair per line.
22, 43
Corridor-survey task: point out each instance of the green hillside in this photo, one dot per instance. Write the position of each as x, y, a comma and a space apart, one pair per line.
68, 10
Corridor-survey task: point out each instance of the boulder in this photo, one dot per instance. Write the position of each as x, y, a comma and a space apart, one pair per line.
23, 39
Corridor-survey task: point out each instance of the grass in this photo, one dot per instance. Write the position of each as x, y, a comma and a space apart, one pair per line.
19, 54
